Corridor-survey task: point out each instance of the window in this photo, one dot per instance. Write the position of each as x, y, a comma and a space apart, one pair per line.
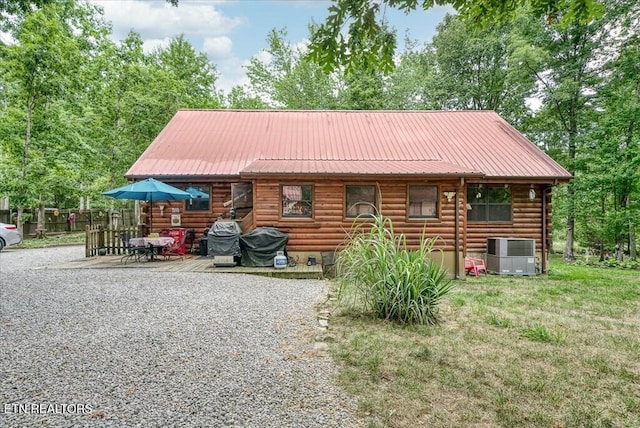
360, 201
489, 203
297, 201
241, 199
423, 201
200, 203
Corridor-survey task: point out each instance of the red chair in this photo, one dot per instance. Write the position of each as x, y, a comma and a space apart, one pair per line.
177, 249
474, 265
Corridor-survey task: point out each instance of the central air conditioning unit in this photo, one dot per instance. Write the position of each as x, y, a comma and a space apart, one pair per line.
511, 256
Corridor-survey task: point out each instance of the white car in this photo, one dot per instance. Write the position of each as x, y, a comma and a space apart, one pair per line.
9, 235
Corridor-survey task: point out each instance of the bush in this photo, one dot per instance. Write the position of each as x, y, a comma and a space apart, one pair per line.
387, 279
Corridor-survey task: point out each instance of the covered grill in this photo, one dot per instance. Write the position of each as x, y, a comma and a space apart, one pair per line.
223, 239
261, 245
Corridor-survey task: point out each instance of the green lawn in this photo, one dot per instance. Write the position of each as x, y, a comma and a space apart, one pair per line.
561, 350
53, 241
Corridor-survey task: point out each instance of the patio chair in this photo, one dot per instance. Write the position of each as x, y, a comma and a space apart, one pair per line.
132, 252
475, 265
177, 249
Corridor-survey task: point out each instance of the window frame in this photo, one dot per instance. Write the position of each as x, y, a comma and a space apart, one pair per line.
188, 203
311, 215
376, 202
438, 202
487, 204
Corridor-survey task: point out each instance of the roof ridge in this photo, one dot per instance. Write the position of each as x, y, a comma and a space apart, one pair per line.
260, 158
335, 111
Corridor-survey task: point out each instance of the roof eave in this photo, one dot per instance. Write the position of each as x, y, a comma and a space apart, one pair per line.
184, 177
355, 174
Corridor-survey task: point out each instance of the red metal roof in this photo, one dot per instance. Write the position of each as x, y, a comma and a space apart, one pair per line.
357, 167
209, 143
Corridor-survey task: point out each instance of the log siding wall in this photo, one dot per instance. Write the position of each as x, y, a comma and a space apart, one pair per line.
198, 220
526, 221
327, 229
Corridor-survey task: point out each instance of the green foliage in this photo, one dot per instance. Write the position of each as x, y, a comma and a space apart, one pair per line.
611, 263
388, 279
240, 98
540, 333
191, 74
496, 321
53, 240
79, 109
287, 81
475, 68
369, 40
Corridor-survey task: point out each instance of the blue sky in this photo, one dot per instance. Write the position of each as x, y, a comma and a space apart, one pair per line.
231, 32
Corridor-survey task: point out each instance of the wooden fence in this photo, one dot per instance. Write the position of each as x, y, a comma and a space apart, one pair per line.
103, 240
66, 220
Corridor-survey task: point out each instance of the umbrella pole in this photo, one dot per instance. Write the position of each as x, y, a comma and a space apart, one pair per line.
150, 214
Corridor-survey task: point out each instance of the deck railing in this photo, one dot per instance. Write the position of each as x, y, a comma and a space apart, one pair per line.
101, 240
246, 224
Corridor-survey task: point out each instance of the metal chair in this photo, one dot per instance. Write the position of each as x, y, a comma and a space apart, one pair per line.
133, 252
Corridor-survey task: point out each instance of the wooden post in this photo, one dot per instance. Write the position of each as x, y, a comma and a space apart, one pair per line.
100, 236
87, 237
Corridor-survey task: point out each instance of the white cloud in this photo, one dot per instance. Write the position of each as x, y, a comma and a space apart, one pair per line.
217, 47
232, 73
149, 45
203, 25
157, 19
264, 57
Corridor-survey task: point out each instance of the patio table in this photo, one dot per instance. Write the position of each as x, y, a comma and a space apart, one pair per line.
153, 243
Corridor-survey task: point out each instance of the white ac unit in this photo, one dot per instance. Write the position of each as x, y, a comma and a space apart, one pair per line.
511, 256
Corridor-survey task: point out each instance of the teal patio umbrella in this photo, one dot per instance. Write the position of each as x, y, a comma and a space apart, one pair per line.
148, 190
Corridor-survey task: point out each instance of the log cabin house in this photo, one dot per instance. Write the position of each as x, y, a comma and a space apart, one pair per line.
463, 176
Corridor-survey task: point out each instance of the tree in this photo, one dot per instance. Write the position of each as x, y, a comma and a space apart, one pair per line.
76, 109
240, 98
192, 71
568, 82
613, 161
22, 7
364, 19
38, 71
286, 81
570, 64
409, 86
474, 69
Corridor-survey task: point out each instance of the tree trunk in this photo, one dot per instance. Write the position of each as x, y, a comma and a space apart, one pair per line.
632, 240
619, 254
19, 216
40, 226
568, 246
27, 141
25, 155
572, 149
601, 251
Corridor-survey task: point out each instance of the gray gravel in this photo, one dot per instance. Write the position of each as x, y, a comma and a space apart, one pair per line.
135, 347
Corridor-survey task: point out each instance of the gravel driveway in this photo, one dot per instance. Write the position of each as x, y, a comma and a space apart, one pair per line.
135, 347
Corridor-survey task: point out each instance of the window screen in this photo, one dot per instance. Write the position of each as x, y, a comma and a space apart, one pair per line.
489, 203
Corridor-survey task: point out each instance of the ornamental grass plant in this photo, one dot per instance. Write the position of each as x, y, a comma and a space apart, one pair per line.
378, 273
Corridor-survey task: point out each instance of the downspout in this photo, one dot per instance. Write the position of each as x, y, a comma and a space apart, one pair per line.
543, 262
456, 246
